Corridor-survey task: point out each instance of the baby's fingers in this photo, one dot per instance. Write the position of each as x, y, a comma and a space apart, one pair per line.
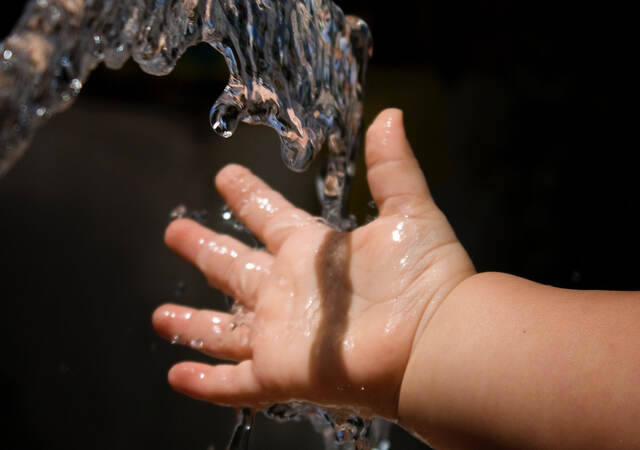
223, 384
266, 212
215, 333
228, 264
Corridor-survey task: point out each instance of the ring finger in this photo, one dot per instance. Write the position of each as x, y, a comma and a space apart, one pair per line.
214, 333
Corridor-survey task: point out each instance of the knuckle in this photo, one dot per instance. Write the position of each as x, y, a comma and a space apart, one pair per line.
233, 276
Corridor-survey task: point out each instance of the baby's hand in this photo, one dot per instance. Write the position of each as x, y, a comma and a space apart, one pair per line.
331, 317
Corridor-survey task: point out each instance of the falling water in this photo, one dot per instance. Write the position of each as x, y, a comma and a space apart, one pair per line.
297, 66
242, 432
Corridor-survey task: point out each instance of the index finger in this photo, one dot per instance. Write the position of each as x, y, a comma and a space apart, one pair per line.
266, 212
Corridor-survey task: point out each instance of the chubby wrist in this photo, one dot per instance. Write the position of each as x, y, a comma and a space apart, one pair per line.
428, 393
507, 362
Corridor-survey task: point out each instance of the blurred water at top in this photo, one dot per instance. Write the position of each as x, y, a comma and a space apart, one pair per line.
295, 66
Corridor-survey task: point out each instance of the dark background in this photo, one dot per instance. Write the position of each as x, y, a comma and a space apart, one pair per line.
519, 113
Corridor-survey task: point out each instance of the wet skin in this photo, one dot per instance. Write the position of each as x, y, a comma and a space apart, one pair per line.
329, 317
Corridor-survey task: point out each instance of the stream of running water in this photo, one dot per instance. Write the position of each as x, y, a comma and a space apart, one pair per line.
297, 66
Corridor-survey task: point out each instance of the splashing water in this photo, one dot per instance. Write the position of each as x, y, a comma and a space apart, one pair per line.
340, 430
242, 432
297, 66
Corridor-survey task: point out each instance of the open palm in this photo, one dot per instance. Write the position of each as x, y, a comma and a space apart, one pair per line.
329, 317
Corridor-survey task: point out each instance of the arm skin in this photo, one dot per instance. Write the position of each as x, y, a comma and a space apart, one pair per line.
505, 362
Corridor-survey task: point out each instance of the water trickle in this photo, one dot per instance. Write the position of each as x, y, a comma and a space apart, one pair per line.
199, 215
372, 213
297, 66
239, 315
179, 290
230, 219
242, 432
181, 211
341, 430
178, 212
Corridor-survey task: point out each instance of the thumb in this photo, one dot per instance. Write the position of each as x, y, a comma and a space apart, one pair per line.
395, 179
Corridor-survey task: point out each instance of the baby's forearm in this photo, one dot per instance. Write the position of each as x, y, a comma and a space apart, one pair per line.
507, 362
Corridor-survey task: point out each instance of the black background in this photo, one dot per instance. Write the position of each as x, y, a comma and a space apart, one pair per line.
521, 114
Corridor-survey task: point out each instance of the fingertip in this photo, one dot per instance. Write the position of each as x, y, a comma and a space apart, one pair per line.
229, 175
186, 238
178, 373
387, 118
170, 318
395, 178
177, 232
188, 378
389, 113
160, 316
386, 138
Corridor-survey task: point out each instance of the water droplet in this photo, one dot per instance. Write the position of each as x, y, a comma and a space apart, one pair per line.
576, 276
7, 54
196, 344
76, 86
230, 219
54, 14
332, 186
224, 119
242, 432
178, 212
199, 216
180, 290
40, 112
176, 339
